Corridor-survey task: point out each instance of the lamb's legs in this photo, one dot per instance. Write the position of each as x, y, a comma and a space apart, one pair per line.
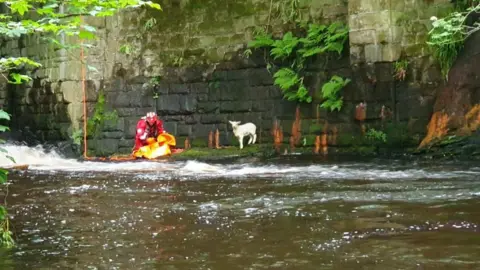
240, 140
254, 138
250, 140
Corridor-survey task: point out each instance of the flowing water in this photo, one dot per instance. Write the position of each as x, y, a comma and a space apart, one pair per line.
287, 214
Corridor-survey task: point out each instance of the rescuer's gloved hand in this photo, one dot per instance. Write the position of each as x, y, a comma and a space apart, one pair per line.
150, 140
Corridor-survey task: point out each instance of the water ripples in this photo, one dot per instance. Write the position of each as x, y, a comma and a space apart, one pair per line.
145, 215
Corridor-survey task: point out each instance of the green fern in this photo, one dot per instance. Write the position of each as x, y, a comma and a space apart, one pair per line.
283, 48
321, 39
333, 104
286, 78
302, 94
260, 41
315, 36
293, 52
376, 135
308, 52
330, 91
337, 36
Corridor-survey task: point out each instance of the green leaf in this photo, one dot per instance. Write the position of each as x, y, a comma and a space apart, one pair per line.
261, 41
19, 78
86, 35
312, 51
4, 115
3, 213
285, 78
19, 6
153, 5
330, 91
47, 10
10, 158
3, 176
284, 47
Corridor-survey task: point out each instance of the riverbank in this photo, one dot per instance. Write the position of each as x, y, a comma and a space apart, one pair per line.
267, 152
452, 148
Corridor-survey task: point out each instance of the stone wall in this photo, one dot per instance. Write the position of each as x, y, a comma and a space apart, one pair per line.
385, 31
382, 32
196, 48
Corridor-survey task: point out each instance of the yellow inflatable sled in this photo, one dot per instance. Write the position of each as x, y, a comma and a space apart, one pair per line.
158, 148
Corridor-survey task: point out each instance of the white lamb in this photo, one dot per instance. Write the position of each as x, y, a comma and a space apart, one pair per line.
241, 131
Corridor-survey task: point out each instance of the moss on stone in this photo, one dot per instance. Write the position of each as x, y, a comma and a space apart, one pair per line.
193, 53
346, 139
204, 152
443, 10
180, 141
222, 40
398, 135
358, 150
266, 151
415, 50
315, 128
207, 24
406, 18
214, 55
453, 147
199, 142
176, 41
192, 42
310, 140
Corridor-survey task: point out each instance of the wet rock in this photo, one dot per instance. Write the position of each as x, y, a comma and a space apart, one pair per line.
170, 127
208, 107
184, 130
202, 130
198, 88
453, 147
213, 119
104, 147
259, 77
456, 102
113, 134
177, 104
68, 149
178, 89
235, 106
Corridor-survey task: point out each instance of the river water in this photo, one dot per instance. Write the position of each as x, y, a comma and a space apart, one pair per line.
287, 214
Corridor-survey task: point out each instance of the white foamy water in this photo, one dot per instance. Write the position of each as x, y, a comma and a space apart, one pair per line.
40, 160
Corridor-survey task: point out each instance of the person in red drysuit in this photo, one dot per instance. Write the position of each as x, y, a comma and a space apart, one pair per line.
148, 126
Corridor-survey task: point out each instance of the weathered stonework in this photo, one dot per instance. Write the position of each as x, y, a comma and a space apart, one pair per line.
385, 31
196, 47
